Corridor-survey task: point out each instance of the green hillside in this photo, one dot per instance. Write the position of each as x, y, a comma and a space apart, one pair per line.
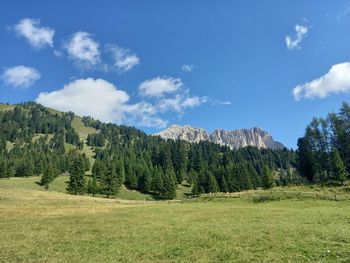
38, 141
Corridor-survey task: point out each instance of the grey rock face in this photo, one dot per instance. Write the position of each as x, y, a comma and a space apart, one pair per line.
186, 132
234, 139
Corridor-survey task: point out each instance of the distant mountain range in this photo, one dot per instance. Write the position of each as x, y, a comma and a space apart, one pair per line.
234, 139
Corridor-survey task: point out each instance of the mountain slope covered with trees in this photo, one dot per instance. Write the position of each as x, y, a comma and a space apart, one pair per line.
35, 140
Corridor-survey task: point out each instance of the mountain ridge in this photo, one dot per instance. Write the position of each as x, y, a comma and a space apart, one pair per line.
234, 139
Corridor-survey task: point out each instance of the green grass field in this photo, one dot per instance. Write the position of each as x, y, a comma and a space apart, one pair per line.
79, 126
49, 226
60, 184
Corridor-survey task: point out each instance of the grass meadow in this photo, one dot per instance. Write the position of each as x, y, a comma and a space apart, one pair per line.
52, 226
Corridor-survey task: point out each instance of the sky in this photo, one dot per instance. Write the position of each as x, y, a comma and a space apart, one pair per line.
150, 64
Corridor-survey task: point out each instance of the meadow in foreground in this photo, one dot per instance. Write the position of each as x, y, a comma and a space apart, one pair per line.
42, 226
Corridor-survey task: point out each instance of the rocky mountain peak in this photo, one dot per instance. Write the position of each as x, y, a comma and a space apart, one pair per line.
234, 139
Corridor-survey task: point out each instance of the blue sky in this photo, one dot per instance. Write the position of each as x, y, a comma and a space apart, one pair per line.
210, 64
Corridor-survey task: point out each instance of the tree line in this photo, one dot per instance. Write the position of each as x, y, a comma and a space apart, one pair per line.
324, 151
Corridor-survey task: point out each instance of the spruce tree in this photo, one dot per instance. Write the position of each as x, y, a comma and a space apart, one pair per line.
119, 169
133, 181
244, 176
92, 185
109, 182
267, 179
76, 184
196, 189
255, 178
147, 180
212, 184
169, 181
130, 174
47, 177
157, 182
339, 169
223, 185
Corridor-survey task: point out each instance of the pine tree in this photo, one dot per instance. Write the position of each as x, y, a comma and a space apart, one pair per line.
92, 185
244, 177
164, 158
339, 169
267, 179
133, 181
147, 180
211, 184
130, 175
196, 189
3, 170
99, 169
109, 182
234, 179
120, 173
255, 178
47, 177
76, 184
157, 182
169, 181
223, 185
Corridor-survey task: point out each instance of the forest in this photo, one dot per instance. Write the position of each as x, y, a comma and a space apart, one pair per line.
34, 140
324, 151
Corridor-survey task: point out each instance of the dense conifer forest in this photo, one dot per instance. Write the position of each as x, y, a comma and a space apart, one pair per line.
35, 140
324, 151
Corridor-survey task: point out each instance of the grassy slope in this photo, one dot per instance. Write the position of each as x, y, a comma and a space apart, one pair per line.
83, 132
5, 107
60, 185
39, 226
77, 124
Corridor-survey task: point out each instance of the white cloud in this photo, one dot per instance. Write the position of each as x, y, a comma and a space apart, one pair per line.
144, 114
102, 100
187, 68
88, 97
337, 80
20, 76
180, 102
294, 42
157, 87
124, 60
216, 102
83, 50
36, 35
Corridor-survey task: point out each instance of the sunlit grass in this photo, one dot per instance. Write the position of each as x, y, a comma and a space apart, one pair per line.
48, 226
82, 130
6, 107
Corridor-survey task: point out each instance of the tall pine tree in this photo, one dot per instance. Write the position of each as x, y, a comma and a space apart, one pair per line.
76, 184
339, 169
